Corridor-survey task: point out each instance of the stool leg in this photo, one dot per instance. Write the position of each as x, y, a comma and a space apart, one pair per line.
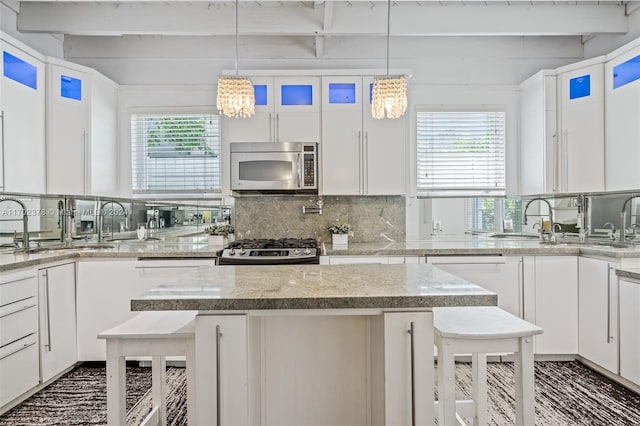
479, 392
159, 387
116, 385
191, 383
446, 383
524, 380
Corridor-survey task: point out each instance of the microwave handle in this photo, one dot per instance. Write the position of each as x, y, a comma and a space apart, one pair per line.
299, 171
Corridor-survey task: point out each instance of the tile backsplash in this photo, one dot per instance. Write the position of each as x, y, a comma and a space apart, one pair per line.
372, 218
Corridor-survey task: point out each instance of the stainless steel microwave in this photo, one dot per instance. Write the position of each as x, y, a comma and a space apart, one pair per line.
274, 167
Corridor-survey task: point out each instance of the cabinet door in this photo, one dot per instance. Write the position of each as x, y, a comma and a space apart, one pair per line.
221, 347
556, 304
297, 109
103, 136
23, 120
622, 128
385, 150
402, 377
68, 153
57, 294
538, 148
597, 312
350, 260
342, 136
582, 129
501, 275
629, 334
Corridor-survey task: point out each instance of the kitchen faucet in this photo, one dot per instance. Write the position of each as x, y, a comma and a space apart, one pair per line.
552, 236
101, 220
25, 221
623, 217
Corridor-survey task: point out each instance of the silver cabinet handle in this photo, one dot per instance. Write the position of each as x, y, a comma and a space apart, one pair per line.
521, 287
565, 147
271, 138
609, 269
25, 346
278, 127
411, 332
45, 273
360, 183
365, 177
556, 147
24, 308
218, 405
86, 161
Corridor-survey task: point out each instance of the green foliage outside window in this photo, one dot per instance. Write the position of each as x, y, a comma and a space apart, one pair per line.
188, 136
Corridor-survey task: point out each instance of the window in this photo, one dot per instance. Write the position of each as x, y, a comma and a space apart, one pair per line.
175, 153
494, 214
460, 153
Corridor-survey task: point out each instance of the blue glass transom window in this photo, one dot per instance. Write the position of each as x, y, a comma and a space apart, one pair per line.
627, 72
18, 70
579, 87
342, 93
298, 94
70, 87
260, 93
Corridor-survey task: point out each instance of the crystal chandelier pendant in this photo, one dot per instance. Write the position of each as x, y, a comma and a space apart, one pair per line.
236, 97
389, 97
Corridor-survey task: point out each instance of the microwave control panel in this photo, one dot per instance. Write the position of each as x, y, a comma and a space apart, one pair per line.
309, 167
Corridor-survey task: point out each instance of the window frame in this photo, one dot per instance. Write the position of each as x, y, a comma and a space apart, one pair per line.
422, 192
211, 193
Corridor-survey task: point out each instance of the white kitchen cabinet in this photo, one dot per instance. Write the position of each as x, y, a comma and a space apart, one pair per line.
81, 130
551, 301
538, 145
407, 341
225, 350
19, 370
360, 155
598, 312
384, 260
622, 128
105, 289
57, 298
629, 329
499, 274
581, 126
22, 100
287, 110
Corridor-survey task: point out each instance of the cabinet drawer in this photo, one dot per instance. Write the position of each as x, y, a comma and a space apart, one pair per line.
18, 320
17, 287
18, 368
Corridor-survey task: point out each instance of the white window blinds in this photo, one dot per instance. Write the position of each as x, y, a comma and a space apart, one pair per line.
460, 153
175, 153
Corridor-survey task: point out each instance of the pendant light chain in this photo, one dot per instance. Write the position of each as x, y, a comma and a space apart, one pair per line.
237, 37
388, 31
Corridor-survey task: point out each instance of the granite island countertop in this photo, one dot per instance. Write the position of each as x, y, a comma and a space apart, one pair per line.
632, 273
245, 288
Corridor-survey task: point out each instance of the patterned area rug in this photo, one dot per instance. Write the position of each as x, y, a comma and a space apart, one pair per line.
567, 393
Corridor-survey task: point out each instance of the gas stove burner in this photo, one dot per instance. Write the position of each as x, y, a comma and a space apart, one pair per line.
270, 252
273, 243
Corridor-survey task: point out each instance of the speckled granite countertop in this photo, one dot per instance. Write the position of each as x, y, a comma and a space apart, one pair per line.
480, 246
242, 288
633, 273
187, 247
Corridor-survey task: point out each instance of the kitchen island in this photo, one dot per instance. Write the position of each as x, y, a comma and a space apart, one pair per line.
315, 344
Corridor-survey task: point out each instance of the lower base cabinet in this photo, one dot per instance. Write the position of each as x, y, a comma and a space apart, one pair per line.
19, 355
630, 330
551, 302
57, 295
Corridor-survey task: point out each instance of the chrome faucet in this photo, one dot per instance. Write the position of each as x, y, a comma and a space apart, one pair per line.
101, 219
25, 221
623, 217
62, 220
552, 236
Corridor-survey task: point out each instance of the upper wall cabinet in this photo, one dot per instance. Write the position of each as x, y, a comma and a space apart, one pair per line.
360, 155
22, 99
581, 126
81, 130
287, 110
538, 147
622, 93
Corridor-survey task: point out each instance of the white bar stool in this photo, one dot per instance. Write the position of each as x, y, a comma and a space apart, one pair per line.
155, 334
481, 330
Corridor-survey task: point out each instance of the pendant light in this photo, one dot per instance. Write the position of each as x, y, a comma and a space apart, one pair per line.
235, 94
389, 92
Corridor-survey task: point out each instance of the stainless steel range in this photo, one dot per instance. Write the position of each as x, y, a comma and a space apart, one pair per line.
284, 251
